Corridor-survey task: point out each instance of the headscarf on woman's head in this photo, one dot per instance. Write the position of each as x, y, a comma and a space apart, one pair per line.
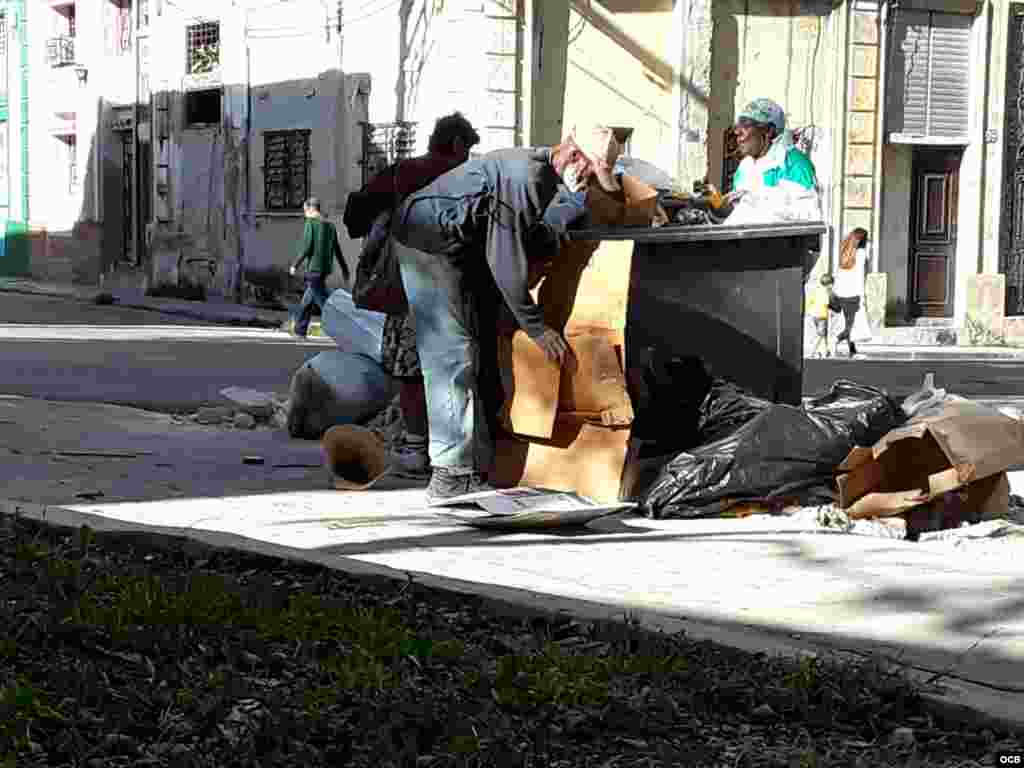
848, 250
765, 112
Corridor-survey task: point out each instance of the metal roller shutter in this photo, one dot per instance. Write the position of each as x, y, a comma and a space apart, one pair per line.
929, 83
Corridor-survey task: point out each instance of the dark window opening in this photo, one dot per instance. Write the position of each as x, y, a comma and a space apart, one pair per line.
202, 47
285, 170
203, 107
122, 32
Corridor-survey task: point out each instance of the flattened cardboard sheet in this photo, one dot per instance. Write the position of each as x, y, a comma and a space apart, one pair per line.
960, 444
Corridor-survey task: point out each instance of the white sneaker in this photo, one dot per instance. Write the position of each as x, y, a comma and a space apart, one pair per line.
409, 459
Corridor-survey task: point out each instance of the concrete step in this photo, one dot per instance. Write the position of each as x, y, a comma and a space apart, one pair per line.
937, 335
873, 351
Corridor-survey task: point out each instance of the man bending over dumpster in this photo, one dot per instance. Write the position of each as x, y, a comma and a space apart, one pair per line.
775, 182
490, 211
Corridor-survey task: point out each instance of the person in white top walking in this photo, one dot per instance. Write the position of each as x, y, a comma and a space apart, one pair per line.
849, 282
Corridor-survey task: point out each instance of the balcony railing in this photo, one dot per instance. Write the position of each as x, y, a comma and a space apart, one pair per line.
60, 51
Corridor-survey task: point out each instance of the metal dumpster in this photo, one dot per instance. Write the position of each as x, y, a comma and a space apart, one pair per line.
732, 296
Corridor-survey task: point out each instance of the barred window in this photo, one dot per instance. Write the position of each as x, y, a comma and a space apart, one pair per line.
285, 169
202, 47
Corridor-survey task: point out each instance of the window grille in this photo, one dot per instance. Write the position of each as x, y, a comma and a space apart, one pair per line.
143, 14
384, 144
202, 47
929, 75
123, 25
285, 169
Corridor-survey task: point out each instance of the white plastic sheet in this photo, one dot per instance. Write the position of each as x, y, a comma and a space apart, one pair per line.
354, 330
360, 386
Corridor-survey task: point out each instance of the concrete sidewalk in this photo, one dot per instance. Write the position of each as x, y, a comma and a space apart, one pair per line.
952, 616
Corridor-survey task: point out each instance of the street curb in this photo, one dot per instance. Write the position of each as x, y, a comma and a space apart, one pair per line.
959, 701
254, 322
92, 294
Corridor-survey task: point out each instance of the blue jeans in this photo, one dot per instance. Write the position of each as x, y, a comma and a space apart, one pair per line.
315, 293
443, 305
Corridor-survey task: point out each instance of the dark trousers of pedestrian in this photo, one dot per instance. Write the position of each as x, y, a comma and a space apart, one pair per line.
849, 306
315, 293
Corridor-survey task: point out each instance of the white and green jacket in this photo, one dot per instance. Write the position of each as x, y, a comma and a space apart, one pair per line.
781, 186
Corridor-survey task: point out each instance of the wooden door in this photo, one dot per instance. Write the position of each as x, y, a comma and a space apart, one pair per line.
934, 199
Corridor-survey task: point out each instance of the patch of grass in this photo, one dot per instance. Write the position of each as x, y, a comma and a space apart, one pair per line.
180, 655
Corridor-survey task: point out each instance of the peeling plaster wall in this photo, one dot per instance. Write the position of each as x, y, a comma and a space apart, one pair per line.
210, 216
606, 84
780, 49
331, 107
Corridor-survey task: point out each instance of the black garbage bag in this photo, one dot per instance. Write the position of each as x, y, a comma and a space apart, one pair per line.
725, 409
669, 407
762, 450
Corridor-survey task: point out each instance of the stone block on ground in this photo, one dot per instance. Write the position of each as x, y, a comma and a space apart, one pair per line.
986, 310
259, 405
244, 421
876, 287
217, 414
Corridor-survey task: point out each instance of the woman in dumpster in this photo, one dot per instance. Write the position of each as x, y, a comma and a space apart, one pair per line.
775, 181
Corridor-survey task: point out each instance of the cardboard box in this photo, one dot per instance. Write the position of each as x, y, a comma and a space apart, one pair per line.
591, 385
635, 205
531, 383
931, 456
580, 456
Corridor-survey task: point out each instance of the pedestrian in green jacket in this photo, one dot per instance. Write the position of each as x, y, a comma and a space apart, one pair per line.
319, 249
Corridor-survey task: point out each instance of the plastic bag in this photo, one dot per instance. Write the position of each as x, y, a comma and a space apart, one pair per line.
357, 331
769, 450
336, 387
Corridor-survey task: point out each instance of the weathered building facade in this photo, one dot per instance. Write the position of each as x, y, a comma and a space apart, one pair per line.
174, 143
250, 115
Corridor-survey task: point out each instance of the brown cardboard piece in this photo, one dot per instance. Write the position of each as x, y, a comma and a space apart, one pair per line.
579, 456
635, 205
964, 447
591, 385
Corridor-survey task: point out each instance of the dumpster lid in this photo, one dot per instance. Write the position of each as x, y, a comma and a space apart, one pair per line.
681, 233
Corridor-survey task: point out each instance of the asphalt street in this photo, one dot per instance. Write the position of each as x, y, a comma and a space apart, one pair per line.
59, 349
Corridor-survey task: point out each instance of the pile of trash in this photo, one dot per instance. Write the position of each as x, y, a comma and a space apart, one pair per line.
242, 409
855, 458
347, 385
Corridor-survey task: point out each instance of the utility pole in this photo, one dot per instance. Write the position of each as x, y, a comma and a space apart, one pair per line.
341, 36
